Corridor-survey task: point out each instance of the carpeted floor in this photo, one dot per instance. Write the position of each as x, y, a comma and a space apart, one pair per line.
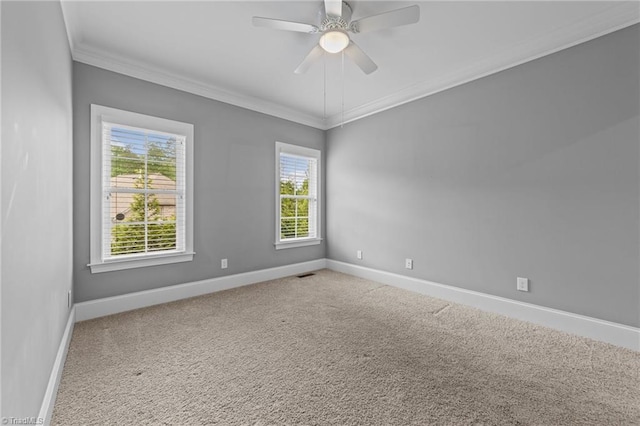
332, 349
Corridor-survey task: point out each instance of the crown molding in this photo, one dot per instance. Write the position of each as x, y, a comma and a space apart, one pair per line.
110, 62
70, 24
618, 16
614, 18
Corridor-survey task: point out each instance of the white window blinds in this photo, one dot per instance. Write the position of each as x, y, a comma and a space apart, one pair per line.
143, 202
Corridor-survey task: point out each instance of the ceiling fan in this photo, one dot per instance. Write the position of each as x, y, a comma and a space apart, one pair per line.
335, 28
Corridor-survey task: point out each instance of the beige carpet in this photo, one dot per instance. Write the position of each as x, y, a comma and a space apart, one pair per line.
338, 350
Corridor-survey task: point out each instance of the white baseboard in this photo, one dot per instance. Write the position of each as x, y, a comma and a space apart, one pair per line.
597, 329
49, 400
126, 302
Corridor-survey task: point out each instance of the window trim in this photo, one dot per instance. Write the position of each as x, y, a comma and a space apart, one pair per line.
303, 152
99, 114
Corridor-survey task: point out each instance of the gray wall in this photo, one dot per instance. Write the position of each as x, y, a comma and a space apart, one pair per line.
234, 172
530, 172
36, 199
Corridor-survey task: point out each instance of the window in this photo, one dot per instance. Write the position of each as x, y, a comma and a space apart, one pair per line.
141, 190
297, 196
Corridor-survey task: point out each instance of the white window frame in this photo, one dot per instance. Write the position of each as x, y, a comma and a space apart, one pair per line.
301, 151
112, 115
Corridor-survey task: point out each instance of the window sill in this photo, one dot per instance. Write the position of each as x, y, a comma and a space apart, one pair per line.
140, 262
297, 243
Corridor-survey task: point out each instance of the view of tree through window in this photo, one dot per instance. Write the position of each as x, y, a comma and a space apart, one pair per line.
296, 201
143, 199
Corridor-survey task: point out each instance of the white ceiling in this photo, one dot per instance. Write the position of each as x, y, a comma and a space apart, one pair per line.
212, 49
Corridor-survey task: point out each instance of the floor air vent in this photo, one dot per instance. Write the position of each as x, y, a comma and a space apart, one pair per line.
306, 275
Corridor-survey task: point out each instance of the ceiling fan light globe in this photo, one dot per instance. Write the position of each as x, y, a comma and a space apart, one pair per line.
334, 41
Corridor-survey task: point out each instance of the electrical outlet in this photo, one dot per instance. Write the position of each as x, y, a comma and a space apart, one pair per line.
223, 264
408, 263
359, 254
522, 284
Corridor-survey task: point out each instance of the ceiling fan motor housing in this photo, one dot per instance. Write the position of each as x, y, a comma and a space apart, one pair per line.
331, 23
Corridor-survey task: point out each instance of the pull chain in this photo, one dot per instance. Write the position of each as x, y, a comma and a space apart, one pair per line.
324, 94
342, 121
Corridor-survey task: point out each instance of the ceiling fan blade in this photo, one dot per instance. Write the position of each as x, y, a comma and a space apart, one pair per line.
394, 18
315, 53
360, 58
278, 24
333, 7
